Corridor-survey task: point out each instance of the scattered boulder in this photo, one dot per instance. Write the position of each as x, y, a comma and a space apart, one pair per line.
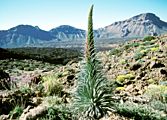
129, 88
4, 117
135, 66
69, 80
146, 64
34, 113
27, 109
70, 77
37, 100
107, 66
163, 71
156, 64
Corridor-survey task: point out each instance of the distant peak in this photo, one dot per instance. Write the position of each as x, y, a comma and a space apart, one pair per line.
21, 27
146, 16
37, 27
65, 26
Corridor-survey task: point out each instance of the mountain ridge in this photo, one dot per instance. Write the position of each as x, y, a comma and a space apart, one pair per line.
137, 26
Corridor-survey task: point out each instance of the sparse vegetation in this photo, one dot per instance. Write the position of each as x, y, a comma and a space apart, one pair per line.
50, 55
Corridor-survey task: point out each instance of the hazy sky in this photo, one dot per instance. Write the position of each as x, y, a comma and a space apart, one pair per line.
48, 14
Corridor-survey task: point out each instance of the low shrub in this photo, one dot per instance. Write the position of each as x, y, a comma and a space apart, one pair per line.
25, 89
57, 113
20, 67
146, 43
153, 49
158, 92
60, 74
122, 78
163, 83
120, 88
52, 101
51, 85
139, 55
154, 58
135, 44
151, 81
123, 61
158, 105
29, 69
149, 38
145, 51
139, 111
115, 51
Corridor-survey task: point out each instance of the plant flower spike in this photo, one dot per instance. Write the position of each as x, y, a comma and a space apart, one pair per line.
93, 96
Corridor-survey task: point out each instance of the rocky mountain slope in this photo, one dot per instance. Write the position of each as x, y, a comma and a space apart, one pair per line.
66, 32
137, 26
137, 64
23, 35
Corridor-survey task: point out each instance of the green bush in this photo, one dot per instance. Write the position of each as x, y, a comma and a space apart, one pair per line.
52, 101
153, 49
20, 67
135, 44
139, 55
51, 85
120, 89
29, 69
60, 74
149, 38
123, 61
57, 113
158, 105
148, 43
158, 92
139, 112
16, 112
25, 89
122, 78
115, 51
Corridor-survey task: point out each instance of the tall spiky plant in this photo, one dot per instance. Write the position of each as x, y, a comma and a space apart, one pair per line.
89, 48
92, 98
